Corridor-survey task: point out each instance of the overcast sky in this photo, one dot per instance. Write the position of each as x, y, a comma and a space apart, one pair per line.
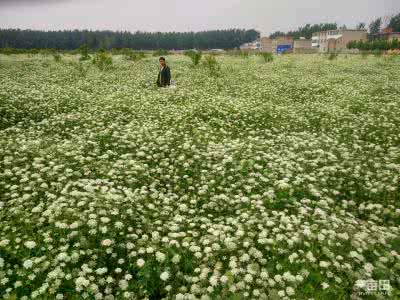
187, 15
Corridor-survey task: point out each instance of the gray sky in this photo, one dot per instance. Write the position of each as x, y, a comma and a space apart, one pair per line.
186, 15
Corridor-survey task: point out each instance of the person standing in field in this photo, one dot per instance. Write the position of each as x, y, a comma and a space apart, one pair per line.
164, 76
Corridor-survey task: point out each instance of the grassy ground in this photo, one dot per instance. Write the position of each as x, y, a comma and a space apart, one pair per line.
261, 180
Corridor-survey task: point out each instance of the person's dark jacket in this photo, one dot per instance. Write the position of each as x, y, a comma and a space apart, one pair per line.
164, 77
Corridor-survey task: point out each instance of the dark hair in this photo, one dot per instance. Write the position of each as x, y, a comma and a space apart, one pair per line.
162, 58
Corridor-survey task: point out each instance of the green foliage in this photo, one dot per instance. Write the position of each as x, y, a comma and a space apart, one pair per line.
211, 63
333, 56
133, 55
43, 51
351, 45
84, 51
161, 52
7, 51
81, 68
394, 23
375, 26
70, 40
57, 57
195, 56
102, 59
381, 45
268, 57
361, 26
395, 44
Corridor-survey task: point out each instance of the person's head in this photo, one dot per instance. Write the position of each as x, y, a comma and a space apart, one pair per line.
162, 61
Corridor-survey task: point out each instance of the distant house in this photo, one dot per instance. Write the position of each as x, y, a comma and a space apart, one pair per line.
336, 40
303, 46
387, 34
266, 44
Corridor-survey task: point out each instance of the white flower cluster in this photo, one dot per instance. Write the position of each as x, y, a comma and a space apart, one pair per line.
278, 181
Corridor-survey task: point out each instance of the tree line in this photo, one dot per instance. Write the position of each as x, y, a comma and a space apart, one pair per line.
305, 31
69, 40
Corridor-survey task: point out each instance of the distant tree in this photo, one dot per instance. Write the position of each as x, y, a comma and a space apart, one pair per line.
305, 31
276, 34
394, 23
361, 26
375, 26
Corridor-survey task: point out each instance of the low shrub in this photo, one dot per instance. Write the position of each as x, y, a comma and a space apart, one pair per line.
268, 57
81, 69
102, 59
84, 52
212, 65
57, 57
195, 56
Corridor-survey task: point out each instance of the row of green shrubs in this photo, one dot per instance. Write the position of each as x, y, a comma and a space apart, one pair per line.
196, 55
84, 47
101, 59
374, 45
129, 54
209, 61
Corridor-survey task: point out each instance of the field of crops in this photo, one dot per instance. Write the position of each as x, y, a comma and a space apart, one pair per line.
271, 180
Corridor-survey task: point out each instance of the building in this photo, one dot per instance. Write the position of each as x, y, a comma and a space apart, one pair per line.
282, 44
266, 44
387, 34
336, 40
391, 36
303, 46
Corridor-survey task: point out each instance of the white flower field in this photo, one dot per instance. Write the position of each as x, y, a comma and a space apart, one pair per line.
268, 181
